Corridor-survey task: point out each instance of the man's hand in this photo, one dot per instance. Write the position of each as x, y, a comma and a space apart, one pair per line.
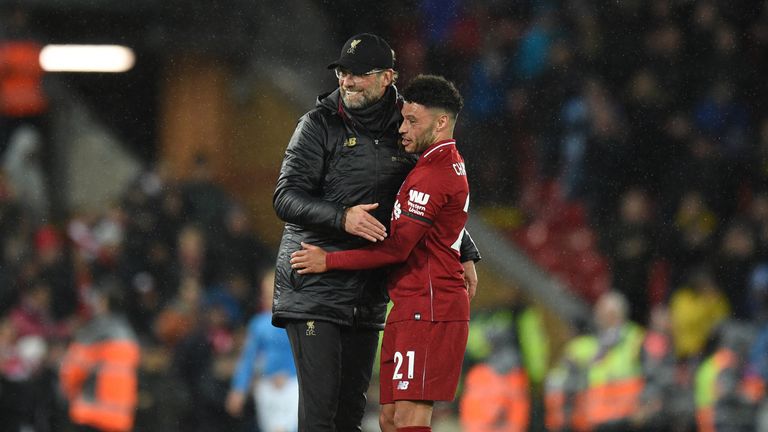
470, 278
311, 259
360, 223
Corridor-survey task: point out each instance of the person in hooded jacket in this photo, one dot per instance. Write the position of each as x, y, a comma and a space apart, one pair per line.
336, 190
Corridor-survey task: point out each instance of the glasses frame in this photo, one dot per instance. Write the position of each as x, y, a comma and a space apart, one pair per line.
341, 74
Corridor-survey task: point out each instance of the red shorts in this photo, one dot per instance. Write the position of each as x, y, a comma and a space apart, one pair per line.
421, 360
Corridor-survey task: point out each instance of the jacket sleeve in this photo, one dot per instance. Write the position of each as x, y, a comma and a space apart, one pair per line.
297, 198
468, 249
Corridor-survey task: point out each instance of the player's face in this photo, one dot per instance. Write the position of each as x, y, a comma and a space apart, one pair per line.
418, 129
360, 91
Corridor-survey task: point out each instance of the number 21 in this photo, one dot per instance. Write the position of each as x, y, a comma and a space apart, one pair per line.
399, 363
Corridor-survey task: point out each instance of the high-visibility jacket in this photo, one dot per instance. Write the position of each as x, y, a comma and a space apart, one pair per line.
555, 399
525, 331
496, 396
98, 375
21, 93
711, 386
615, 380
495, 402
706, 391
563, 390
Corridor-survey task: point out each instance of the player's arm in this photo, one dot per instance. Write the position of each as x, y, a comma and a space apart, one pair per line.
470, 278
469, 256
393, 250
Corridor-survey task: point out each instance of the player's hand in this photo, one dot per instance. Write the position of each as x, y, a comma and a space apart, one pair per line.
360, 223
310, 259
470, 278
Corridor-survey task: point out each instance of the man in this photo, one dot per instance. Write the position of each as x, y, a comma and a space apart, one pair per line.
267, 356
341, 171
426, 332
507, 355
599, 382
99, 372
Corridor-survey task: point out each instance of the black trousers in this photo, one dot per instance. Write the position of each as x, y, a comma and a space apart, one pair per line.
334, 365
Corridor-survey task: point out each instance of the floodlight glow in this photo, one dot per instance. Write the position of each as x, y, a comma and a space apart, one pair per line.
86, 58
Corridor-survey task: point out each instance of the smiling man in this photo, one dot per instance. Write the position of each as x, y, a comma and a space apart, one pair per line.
340, 174
426, 332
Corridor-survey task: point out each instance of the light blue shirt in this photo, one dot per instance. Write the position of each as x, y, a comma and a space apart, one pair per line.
266, 349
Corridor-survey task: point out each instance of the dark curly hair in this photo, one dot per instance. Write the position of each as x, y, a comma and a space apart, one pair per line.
434, 91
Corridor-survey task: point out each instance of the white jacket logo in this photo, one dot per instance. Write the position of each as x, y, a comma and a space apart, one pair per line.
418, 197
396, 211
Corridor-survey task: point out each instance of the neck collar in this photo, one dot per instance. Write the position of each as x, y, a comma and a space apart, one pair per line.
438, 145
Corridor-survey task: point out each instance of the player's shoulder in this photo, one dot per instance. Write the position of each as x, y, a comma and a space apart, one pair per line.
442, 179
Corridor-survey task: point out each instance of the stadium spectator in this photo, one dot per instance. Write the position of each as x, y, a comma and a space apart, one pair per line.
180, 316
590, 389
508, 350
614, 388
563, 406
33, 317
725, 391
99, 371
693, 235
239, 251
205, 201
695, 311
266, 368
53, 264
735, 257
631, 245
658, 408
204, 361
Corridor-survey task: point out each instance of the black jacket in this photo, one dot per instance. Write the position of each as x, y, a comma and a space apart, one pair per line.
333, 162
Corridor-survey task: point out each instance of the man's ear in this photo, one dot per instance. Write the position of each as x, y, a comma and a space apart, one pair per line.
389, 77
443, 121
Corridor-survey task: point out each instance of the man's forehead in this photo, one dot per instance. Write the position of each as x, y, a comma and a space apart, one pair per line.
413, 108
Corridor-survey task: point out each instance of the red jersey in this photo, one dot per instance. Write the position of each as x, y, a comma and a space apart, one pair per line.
425, 234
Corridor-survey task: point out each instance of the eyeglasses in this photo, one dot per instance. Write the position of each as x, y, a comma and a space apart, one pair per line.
341, 73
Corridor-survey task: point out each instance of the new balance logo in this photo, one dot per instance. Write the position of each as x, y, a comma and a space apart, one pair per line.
402, 385
418, 197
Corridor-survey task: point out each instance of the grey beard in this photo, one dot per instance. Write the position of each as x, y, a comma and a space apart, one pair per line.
365, 103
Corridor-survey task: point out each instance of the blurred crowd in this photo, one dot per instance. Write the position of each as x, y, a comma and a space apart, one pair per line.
190, 268
649, 114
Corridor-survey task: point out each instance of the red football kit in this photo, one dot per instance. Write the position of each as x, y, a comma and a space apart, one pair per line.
428, 219
425, 234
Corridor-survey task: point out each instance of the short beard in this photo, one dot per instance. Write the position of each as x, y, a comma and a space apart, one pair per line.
365, 101
362, 103
423, 144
